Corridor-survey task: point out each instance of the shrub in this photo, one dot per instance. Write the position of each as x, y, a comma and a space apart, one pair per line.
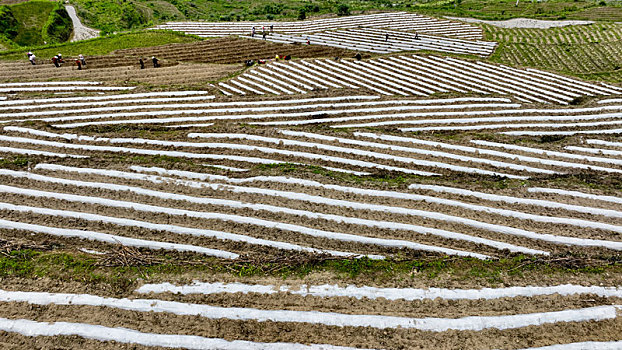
8, 23
343, 10
302, 14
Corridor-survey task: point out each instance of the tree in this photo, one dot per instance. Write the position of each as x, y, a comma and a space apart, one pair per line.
343, 10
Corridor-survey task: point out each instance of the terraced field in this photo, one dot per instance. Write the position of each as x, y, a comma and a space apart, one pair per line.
394, 202
412, 75
391, 20
588, 51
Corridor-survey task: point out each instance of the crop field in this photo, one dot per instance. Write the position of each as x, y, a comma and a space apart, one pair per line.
408, 22
401, 201
587, 51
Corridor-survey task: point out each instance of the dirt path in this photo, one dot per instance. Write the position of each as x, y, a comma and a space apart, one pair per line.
80, 32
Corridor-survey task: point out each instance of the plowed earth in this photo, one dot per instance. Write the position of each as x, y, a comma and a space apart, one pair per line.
291, 223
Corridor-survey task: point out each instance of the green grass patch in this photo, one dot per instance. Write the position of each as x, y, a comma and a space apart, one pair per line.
83, 268
104, 45
58, 27
14, 162
31, 17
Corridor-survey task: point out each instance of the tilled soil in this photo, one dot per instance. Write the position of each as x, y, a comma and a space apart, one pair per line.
302, 332
588, 266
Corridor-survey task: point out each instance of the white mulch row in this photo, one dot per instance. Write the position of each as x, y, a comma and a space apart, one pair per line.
112, 239
398, 20
393, 76
469, 323
158, 227
128, 336
241, 219
179, 94
352, 291
370, 154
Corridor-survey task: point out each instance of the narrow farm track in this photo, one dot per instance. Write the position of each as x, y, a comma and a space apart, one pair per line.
395, 202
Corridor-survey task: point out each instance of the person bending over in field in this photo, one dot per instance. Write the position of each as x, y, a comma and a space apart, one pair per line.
31, 58
78, 63
155, 61
142, 63
55, 61
82, 59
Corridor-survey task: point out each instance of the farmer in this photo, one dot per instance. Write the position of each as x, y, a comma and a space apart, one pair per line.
263, 35
60, 59
82, 59
156, 64
142, 63
386, 37
78, 63
31, 58
416, 36
55, 61
253, 32
272, 28
308, 41
358, 56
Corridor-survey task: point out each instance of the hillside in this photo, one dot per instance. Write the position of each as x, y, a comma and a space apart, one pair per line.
383, 181
34, 23
110, 15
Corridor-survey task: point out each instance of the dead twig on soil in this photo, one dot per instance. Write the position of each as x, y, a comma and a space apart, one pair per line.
126, 257
7, 247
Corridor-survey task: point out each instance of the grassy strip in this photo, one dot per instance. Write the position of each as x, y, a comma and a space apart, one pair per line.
104, 45
77, 267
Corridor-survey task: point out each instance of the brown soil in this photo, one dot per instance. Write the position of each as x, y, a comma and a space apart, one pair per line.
198, 65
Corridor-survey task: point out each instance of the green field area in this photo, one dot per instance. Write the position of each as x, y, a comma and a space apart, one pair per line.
110, 16
103, 45
590, 51
504, 9
34, 23
31, 17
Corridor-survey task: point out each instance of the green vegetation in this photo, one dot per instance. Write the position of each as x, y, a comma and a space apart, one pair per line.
8, 23
103, 45
111, 15
34, 23
65, 266
58, 27
591, 52
32, 17
504, 9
